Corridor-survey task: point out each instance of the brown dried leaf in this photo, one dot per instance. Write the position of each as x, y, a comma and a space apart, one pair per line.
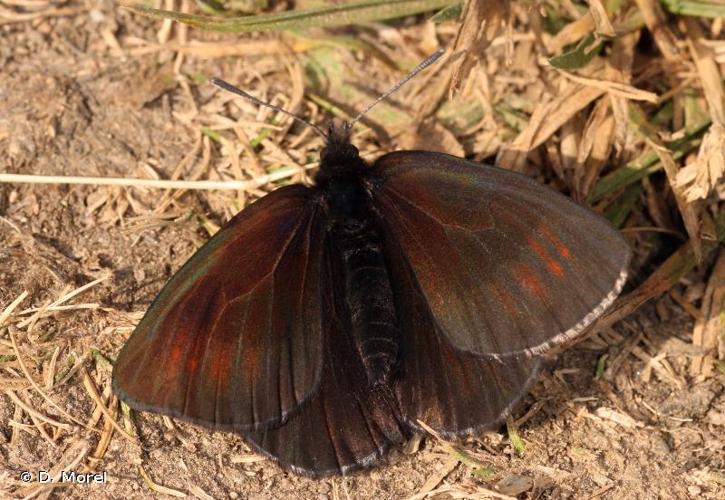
431, 137
707, 172
514, 485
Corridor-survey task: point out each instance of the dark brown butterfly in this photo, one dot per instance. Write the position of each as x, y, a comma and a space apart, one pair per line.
322, 323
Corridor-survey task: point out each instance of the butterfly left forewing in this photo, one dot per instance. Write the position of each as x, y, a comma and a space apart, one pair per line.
234, 339
506, 265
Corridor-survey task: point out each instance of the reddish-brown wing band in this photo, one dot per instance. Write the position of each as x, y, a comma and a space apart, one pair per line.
234, 340
507, 266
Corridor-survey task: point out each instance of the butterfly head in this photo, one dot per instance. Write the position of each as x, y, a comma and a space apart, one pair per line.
339, 156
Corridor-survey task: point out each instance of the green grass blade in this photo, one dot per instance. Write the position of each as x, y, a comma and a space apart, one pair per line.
450, 13
327, 16
517, 442
578, 57
645, 164
694, 8
619, 212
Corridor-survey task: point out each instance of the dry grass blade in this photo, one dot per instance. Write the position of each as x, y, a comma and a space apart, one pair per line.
654, 17
435, 479
155, 183
707, 70
688, 211
571, 33
594, 148
614, 88
35, 385
106, 435
341, 14
664, 278
481, 23
546, 119
34, 413
449, 447
93, 392
164, 490
199, 493
711, 323
6, 312
57, 304
601, 19
703, 175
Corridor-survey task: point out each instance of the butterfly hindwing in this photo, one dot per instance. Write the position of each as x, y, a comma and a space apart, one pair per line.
453, 391
347, 424
507, 266
234, 338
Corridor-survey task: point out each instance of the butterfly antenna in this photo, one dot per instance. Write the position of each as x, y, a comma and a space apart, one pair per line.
235, 90
424, 64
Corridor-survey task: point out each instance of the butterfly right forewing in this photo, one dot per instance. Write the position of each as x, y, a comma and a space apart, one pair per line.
506, 266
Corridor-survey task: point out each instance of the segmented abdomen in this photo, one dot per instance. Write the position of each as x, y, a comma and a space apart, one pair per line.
369, 298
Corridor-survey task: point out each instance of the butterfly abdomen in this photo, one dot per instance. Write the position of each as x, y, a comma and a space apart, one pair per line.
367, 290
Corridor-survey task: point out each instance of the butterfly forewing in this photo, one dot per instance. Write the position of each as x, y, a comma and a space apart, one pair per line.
506, 266
234, 340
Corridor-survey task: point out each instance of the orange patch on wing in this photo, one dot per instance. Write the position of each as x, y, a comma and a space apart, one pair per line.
528, 279
192, 363
175, 354
551, 263
558, 244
